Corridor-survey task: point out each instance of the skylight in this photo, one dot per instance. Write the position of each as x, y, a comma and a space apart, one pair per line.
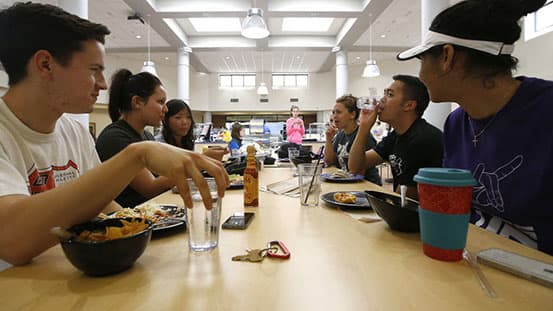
312, 24
216, 24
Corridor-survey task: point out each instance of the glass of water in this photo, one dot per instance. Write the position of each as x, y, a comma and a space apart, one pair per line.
203, 223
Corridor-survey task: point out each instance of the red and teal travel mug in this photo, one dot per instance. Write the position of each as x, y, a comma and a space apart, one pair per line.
445, 196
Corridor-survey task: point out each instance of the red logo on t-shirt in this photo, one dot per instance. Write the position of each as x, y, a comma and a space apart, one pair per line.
46, 179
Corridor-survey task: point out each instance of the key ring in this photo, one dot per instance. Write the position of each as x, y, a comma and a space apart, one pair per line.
265, 251
277, 249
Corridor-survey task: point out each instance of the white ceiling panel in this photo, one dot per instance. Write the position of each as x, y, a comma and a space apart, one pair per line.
400, 23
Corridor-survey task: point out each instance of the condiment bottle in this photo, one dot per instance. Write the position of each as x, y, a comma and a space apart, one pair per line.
251, 180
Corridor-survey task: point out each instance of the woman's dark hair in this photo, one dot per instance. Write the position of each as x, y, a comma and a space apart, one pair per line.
235, 130
293, 107
488, 20
125, 85
28, 27
414, 89
350, 102
175, 106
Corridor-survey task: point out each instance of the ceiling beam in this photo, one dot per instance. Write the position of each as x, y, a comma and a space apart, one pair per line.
347, 39
143, 8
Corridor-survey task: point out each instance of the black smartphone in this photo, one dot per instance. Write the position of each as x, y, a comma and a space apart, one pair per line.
238, 221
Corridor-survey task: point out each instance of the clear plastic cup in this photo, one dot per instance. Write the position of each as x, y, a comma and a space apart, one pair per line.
368, 102
310, 183
203, 224
292, 154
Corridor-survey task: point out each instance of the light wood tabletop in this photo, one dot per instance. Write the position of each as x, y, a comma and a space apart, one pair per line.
337, 263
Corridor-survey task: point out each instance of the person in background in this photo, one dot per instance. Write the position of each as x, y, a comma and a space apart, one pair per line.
236, 132
341, 134
498, 132
135, 101
294, 126
178, 129
50, 174
266, 129
226, 135
412, 144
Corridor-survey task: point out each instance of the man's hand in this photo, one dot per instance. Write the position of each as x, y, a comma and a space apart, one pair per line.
367, 118
178, 164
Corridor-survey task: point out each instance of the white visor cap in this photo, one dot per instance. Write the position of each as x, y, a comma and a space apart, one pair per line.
433, 39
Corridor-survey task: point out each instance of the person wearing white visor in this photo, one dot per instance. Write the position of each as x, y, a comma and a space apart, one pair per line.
500, 131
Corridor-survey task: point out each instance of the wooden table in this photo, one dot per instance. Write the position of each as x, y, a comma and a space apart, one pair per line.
337, 263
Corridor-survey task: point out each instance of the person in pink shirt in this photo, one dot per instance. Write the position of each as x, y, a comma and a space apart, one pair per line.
294, 126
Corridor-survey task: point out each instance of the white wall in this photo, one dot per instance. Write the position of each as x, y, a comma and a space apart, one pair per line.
204, 92
535, 57
359, 86
113, 62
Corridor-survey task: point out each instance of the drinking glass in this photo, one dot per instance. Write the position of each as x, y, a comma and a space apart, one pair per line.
203, 224
292, 154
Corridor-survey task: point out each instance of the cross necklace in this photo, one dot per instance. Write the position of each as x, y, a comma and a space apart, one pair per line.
476, 135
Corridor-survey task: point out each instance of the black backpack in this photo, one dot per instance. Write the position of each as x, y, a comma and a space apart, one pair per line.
282, 152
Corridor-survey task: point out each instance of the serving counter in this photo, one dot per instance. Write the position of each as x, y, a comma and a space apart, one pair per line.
337, 263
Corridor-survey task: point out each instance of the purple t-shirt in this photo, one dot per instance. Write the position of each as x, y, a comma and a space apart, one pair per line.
512, 162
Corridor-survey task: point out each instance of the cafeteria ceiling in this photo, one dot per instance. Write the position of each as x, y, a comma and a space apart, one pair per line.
395, 23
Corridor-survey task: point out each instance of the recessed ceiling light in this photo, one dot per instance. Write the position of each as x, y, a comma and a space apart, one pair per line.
358, 57
166, 57
382, 36
138, 36
298, 57
227, 57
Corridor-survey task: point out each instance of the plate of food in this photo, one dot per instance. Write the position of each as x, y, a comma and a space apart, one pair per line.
163, 216
347, 199
341, 176
236, 181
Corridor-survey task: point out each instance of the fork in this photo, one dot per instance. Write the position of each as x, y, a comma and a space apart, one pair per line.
484, 283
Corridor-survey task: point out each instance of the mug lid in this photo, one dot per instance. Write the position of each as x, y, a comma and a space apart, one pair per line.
448, 177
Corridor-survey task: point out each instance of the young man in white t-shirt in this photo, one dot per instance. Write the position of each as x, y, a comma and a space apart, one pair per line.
50, 174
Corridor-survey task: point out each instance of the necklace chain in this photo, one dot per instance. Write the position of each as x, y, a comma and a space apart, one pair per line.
476, 135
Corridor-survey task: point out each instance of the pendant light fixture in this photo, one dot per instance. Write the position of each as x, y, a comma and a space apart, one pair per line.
149, 64
253, 26
371, 68
262, 89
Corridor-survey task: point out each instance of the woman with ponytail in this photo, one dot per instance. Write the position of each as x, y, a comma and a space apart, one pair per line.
135, 101
498, 132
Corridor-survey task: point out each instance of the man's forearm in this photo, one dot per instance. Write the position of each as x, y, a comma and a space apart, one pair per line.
26, 220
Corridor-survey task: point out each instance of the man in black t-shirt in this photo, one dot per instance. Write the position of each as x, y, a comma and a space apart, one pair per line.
412, 144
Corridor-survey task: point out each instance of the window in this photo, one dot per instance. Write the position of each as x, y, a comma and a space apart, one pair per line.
290, 80
544, 17
539, 22
246, 80
249, 81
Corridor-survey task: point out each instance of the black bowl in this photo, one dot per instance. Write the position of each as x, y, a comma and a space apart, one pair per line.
269, 161
105, 257
388, 206
301, 159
